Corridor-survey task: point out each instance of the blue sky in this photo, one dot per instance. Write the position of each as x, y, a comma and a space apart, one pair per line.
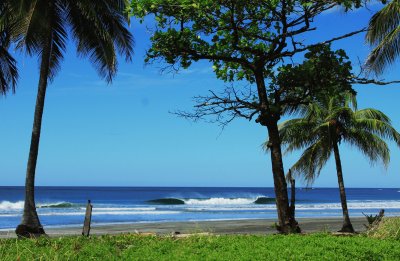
123, 134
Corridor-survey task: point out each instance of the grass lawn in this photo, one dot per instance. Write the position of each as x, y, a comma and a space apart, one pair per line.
229, 247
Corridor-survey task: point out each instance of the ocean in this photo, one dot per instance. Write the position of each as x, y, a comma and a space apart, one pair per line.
65, 206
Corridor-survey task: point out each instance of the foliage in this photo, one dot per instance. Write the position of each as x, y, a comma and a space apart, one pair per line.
99, 30
384, 34
233, 35
388, 228
246, 40
228, 247
8, 65
323, 73
330, 121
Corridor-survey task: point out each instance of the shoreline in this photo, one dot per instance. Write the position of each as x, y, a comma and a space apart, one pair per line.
219, 227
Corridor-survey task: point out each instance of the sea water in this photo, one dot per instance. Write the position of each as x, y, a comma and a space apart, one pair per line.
65, 206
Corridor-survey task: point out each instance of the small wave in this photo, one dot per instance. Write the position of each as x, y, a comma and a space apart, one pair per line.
59, 205
7, 205
264, 200
166, 201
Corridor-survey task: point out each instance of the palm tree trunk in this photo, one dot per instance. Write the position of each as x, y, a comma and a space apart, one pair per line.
347, 226
287, 222
30, 224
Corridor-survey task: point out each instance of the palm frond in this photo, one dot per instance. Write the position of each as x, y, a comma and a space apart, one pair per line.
293, 134
383, 22
384, 34
372, 114
371, 145
378, 123
311, 162
100, 32
385, 53
8, 66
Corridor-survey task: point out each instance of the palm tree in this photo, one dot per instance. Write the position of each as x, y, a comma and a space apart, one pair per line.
327, 123
42, 27
384, 34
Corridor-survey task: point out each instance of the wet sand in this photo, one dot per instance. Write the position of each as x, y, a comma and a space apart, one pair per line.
248, 226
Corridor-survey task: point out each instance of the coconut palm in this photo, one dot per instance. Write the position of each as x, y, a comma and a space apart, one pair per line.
42, 27
327, 123
384, 34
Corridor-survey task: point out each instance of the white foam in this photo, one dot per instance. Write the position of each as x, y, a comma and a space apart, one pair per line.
7, 205
118, 213
155, 212
352, 205
225, 208
122, 209
385, 204
220, 201
10, 215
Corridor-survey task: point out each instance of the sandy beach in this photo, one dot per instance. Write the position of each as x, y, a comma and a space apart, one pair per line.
248, 226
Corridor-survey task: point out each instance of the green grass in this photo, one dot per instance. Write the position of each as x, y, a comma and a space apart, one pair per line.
231, 247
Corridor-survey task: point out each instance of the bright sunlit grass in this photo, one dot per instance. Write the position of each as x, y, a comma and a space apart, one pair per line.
229, 247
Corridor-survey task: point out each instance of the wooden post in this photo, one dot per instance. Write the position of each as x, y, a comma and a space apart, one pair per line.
292, 193
292, 206
88, 219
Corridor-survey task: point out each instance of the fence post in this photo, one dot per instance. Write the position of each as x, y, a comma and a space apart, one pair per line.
88, 219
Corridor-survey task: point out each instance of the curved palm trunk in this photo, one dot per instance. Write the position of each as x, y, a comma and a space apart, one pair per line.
30, 224
287, 222
347, 226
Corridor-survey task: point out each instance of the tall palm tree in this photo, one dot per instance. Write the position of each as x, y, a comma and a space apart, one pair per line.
384, 34
42, 27
327, 123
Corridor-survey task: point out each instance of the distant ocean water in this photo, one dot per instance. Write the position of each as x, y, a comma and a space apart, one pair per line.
65, 206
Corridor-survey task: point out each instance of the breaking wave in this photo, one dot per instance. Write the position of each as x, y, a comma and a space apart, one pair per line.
7, 205
59, 205
212, 201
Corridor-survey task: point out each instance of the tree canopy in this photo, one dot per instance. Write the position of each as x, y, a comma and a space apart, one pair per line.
244, 40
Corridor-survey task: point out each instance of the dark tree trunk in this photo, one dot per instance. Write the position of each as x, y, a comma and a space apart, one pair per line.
287, 222
292, 193
268, 118
347, 226
30, 225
